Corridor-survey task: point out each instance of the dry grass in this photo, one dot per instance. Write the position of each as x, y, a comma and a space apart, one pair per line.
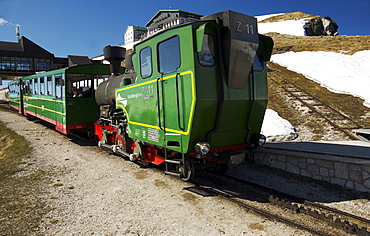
288, 16
340, 44
20, 208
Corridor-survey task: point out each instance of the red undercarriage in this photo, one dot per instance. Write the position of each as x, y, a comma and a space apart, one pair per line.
63, 128
151, 154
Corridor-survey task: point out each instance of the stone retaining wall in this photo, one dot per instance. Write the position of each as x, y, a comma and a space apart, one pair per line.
352, 173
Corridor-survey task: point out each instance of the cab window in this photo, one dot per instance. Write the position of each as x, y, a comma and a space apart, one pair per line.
146, 62
206, 56
258, 63
169, 55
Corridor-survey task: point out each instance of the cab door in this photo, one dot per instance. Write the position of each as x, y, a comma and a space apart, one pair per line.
172, 95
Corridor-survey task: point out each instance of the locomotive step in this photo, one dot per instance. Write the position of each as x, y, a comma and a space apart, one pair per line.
123, 153
173, 161
177, 174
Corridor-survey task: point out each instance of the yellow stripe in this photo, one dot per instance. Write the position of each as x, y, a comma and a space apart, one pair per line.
157, 127
45, 99
46, 109
53, 111
11, 100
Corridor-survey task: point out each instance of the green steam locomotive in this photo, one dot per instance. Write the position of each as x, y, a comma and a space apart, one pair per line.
192, 96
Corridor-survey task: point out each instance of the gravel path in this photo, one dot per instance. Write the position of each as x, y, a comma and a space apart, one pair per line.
93, 192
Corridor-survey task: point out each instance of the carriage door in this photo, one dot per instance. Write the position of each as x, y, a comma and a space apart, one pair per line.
20, 92
59, 103
50, 87
172, 113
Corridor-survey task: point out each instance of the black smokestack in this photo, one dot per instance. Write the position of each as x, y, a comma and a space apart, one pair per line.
114, 54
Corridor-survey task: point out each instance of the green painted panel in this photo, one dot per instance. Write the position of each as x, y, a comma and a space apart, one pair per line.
160, 105
81, 111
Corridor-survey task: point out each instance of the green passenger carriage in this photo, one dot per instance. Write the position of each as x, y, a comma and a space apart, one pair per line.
49, 96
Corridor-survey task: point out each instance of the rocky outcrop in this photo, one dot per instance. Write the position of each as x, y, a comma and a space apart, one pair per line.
321, 26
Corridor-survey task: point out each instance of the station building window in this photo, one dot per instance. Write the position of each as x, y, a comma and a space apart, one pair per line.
24, 64
42, 64
7, 63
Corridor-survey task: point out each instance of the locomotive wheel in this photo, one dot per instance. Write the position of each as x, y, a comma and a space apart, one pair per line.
91, 134
221, 168
189, 170
139, 149
120, 143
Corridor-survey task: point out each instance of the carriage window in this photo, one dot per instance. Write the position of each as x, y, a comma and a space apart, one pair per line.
98, 79
206, 56
27, 87
169, 55
80, 85
49, 84
42, 86
36, 86
59, 86
146, 62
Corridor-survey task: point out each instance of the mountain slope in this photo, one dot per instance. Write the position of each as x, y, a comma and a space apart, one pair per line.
309, 127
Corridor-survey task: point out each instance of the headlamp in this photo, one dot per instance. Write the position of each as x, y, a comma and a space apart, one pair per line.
202, 148
261, 140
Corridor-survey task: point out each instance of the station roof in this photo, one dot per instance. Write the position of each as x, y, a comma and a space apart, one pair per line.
25, 48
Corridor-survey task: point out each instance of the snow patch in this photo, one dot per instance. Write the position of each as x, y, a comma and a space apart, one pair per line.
261, 18
291, 27
276, 128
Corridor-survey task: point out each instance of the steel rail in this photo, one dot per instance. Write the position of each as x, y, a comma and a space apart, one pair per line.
300, 205
296, 89
264, 213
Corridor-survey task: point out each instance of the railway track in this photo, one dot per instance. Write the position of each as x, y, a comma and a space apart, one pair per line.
311, 217
335, 118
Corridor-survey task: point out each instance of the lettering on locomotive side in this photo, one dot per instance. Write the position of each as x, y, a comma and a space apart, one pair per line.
148, 92
153, 135
136, 95
138, 133
144, 133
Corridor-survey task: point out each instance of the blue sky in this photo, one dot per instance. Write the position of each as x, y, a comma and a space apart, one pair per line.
85, 27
